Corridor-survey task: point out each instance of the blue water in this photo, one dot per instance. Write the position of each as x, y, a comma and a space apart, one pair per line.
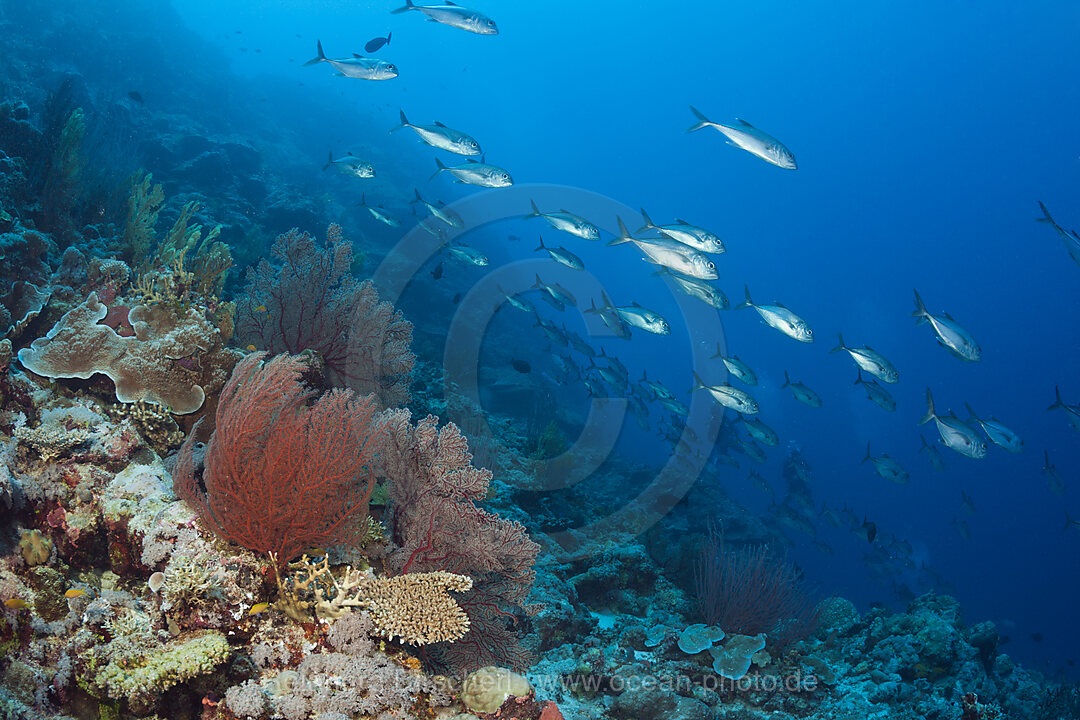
925, 135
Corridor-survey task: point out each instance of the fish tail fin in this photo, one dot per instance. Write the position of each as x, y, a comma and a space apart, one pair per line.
607, 300
867, 453
702, 120
1046, 460
624, 234
925, 446
321, 57
858, 377
749, 301
388, 36
920, 308
363, 200
1068, 521
539, 283
1046, 218
441, 167
841, 346
592, 309
649, 224
698, 383
787, 380
971, 412
719, 352
329, 160
1058, 402
535, 210
541, 244
407, 6
404, 121
930, 414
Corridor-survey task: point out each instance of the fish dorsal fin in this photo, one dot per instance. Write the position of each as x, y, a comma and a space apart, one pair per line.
681, 221
357, 55
471, 160
780, 305
743, 122
450, 3
439, 124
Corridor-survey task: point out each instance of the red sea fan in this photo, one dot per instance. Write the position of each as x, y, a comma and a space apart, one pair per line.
282, 473
309, 300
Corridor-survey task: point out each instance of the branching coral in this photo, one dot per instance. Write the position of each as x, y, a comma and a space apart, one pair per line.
309, 301
144, 205
415, 608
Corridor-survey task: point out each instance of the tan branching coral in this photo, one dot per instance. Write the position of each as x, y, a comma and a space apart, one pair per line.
415, 608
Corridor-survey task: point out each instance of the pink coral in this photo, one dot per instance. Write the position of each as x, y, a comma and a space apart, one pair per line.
310, 301
437, 525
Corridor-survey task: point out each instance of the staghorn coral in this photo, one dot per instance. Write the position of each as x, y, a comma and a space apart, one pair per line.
172, 360
436, 525
309, 301
415, 608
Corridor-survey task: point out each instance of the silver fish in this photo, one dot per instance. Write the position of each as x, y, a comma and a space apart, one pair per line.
700, 289
728, 396
1053, 479
886, 467
967, 503
378, 213
612, 321
879, 395
554, 332
454, 16
466, 254
442, 137
519, 303
637, 316
358, 66
673, 405
750, 139
870, 360
670, 254
779, 317
615, 364
1070, 237
658, 389
440, 211
736, 367
760, 431
698, 238
477, 173
998, 433
556, 291
1073, 411
563, 256
580, 345
349, 164
954, 433
954, 338
752, 450
801, 392
568, 222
